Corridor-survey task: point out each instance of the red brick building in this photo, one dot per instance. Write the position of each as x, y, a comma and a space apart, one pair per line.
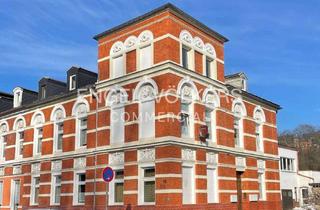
160, 112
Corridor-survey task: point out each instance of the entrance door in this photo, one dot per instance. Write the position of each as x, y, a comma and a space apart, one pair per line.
287, 200
239, 190
15, 194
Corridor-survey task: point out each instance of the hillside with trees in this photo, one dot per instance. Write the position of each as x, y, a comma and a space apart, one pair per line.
306, 139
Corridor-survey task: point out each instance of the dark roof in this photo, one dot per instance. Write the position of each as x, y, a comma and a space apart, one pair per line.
29, 91
257, 98
176, 11
58, 82
239, 74
5, 95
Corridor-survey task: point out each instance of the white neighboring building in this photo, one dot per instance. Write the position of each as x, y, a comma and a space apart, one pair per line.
294, 184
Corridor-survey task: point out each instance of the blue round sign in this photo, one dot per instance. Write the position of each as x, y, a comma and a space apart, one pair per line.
108, 174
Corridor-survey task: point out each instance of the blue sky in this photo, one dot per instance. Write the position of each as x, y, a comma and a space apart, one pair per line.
274, 42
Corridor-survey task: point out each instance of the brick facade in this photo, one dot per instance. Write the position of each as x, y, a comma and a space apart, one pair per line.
170, 149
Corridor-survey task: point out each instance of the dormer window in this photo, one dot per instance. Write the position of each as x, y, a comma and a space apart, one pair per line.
72, 82
17, 100
43, 92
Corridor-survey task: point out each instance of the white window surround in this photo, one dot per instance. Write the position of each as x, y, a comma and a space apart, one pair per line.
197, 44
212, 177
112, 185
239, 110
260, 119
19, 126
17, 94
116, 100
145, 93
37, 121
35, 184
80, 111
3, 132
142, 180
15, 193
76, 184
261, 179
188, 93
72, 82
145, 54
54, 185
188, 176
212, 101
58, 115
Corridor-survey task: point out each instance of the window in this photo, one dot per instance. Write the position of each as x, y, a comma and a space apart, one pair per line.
237, 131
72, 82
185, 120
117, 125
208, 121
80, 188
208, 66
118, 66
19, 144
3, 140
35, 190
286, 164
186, 56
83, 132
258, 137
212, 185
118, 187
58, 136
38, 139
15, 194
43, 92
148, 184
145, 57
17, 98
188, 187
56, 187
1, 192
261, 184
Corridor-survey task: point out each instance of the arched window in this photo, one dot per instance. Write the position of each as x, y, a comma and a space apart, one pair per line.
3, 134
259, 118
145, 55
212, 101
57, 116
145, 93
239, 112
210, 61
117, 60
188, 94
37, 122
80, 112
19, 126
187, 53
116, 99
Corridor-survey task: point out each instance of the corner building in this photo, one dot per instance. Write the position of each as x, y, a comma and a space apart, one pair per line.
209, 144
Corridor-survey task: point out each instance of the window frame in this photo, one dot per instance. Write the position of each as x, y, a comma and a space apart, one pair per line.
143, 179
185, 121
76, 186
57, 133
19, 144
191, 200
3, 142
73, 82
54, 186
189, 52
112, 194
37, 140
34, 187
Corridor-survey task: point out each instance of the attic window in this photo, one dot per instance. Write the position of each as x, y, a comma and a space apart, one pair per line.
17, 98
43, 92
72, 82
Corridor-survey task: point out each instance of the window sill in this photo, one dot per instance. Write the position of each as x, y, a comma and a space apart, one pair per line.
116, 204
147, 204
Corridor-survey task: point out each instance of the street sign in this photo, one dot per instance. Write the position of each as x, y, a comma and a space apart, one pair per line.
108, 174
